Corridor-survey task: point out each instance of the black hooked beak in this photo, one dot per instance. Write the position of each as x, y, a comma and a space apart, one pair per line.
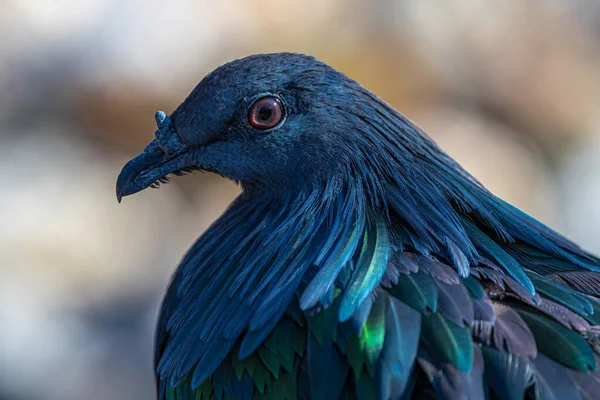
164, 155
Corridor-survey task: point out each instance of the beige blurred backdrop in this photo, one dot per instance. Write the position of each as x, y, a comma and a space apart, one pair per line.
511, 89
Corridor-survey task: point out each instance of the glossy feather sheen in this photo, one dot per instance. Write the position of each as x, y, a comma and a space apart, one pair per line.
370, 268
400, 346
360, 261
448, 341
560, 343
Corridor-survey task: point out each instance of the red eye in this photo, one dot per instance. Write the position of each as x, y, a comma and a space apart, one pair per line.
265, 113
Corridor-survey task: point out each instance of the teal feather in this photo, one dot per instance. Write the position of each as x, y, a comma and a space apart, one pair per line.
447, 341
323, 325
402, 332
365, 388
298, 341
279, 336
271, 360
594, 318
474, 287
355, 355
369, 270
296, 313
206, 390
286, 354
285, 388
251, 363
261, 377
417, 290
239, 366
567, 297
560, 343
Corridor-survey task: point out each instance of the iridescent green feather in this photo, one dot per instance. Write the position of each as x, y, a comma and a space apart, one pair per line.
373, 333
474, 287
417, 290
270, 360
370, 267
355, 354
324, 323
447, 341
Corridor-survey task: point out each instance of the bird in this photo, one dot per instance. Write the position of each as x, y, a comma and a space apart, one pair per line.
359, 261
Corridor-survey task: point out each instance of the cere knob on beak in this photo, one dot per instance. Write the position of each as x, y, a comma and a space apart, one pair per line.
164, 155
166, 136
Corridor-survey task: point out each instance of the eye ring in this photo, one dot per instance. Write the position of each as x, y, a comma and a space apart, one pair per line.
266, 112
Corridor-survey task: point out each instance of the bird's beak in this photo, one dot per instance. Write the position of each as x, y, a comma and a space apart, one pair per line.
164, 155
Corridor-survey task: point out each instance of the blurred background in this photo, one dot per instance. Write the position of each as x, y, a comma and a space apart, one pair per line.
511, 89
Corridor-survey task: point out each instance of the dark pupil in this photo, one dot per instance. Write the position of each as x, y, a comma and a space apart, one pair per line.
265, 113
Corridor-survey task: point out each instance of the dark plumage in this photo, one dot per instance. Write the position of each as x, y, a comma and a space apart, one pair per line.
360, 261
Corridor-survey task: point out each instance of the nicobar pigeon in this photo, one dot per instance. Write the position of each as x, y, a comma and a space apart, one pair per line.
360, 261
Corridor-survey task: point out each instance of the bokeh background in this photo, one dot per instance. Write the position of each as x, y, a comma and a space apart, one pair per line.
511, 89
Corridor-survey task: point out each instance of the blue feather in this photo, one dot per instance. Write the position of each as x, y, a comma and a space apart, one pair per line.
357, 321
403, 263
507, 374
552, 381
491, 248
254, 338
210, 361
418, 291
438, 270
507, 332
327, 274
241, 389
588, 385
402, 332
221, 380
458, 258
327, 369
455, 303
451, 383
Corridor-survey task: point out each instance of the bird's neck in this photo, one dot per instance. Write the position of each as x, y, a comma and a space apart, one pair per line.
263, 240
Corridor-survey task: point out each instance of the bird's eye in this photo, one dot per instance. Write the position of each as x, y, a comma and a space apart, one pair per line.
266, 113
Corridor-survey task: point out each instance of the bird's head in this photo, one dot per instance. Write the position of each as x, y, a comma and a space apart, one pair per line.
275, 121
